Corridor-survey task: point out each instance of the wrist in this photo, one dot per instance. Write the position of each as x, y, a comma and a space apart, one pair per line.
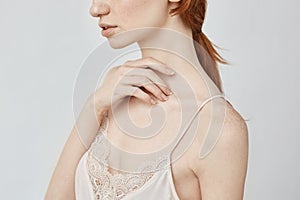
99, 107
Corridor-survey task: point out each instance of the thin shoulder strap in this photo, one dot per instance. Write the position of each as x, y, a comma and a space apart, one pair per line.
191, 120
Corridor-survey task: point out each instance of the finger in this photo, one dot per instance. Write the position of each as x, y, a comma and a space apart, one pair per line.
152, 63
143, 81
137, 81
156, 91
152, 76
140, 94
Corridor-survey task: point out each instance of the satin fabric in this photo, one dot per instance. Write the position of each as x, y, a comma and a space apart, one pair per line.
159, 186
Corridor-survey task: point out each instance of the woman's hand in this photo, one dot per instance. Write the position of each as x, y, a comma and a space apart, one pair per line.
134, 78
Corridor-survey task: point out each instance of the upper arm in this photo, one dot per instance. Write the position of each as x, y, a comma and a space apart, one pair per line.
62, 184
222, 172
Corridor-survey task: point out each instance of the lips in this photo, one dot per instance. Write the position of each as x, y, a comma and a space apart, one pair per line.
107, 29
106, 26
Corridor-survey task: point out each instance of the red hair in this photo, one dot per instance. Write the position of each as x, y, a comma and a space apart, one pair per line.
193, 14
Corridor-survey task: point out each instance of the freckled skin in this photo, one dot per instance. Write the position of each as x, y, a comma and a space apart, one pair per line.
138, 14
215, 173
132, 14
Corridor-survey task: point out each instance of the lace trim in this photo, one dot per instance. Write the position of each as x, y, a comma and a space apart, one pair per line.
110, 186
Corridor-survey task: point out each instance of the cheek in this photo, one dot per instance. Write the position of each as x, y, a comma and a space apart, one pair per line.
140, 13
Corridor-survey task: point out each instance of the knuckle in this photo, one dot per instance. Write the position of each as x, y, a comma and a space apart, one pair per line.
145, 80
128, 62
149, 59
113, 69
162, 85
148, 98
159, 93
148, 86
134, 93
122, 69
154, 89
149, 72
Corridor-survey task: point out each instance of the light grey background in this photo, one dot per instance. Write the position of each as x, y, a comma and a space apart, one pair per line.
43, 44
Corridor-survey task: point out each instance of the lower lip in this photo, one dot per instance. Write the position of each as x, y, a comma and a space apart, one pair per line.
108, 32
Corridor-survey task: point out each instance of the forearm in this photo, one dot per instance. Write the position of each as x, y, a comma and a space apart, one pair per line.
88, 122
62, 184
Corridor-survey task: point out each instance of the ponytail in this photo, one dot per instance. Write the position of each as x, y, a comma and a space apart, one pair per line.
193, 14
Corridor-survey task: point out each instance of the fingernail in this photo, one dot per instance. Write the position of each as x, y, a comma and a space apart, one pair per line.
164, 97
169, 91
153, 101
170, 71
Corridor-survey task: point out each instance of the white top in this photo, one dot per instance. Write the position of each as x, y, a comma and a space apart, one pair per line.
94, 181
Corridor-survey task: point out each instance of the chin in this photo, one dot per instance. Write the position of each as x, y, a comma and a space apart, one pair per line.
118, 41
126, 38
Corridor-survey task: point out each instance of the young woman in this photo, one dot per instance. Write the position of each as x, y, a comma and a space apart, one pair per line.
206, 160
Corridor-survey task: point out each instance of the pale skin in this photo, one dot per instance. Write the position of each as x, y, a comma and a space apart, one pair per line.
221, 175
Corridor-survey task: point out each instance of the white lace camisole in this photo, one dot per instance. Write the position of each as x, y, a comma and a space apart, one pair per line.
94, 181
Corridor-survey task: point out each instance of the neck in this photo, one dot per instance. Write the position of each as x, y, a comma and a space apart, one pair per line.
176, 50
172, 47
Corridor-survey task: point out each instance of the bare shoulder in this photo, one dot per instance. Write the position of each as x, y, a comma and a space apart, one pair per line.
234, 117
222, 171
233, 134
234, 127
235, 131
